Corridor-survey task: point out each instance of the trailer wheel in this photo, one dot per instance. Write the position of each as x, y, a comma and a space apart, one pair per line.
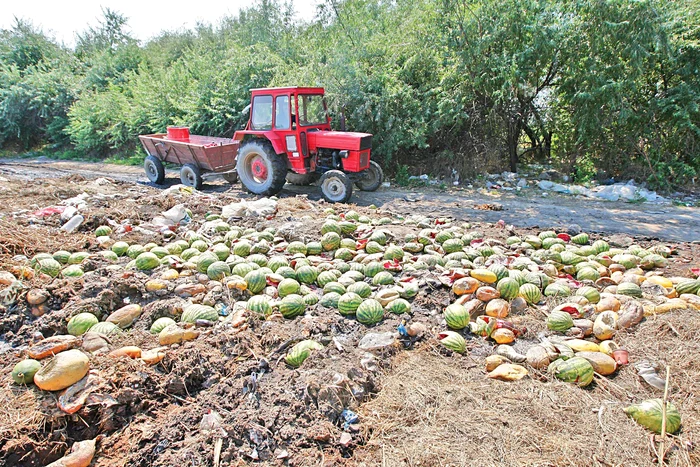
261, 171
154, 170
336, 186
231, 177
301, 179
372, 178
191, 176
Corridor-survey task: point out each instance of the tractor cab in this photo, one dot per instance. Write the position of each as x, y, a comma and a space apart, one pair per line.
293, 125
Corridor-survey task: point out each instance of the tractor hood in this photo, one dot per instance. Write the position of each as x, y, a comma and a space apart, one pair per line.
341, 140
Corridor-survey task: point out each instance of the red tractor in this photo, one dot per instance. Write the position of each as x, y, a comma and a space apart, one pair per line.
288, 138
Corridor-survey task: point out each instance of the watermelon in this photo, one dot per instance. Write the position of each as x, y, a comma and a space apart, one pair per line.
580, 239
369, 312
218, 270
557, 289
344, 253
559, 321
574, 370
360, 288
287, 286
591, 294
331, 226
192, 313
442, 236
160, 252
453, 341
296, 247
383, 278
649, 414
24, 371
74, 270
78, 257
256, 281
277, 262
292, 305
398, 306
686, 286
456, 316
301, 352
260, 304
373, 247
81, 323
379, 237
307, 274
509, 288
348, 303
393, 252
334, 287
105, 327
48, 266
531, 293
630, 289
372, 268
311, 299
330, 299
587, 274
330, 241
325, 277
61, 256
160, 324
241, 269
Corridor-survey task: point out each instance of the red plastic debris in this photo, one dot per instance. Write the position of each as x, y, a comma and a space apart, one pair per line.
49, 211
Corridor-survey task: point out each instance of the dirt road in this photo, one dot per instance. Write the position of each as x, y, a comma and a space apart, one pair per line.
525, 209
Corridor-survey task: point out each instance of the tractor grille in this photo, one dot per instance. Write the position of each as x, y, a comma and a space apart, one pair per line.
366, 143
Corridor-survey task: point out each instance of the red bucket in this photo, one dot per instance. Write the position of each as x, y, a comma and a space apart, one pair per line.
179, 132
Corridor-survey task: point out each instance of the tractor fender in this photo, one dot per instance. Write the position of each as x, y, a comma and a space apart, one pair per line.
278, 143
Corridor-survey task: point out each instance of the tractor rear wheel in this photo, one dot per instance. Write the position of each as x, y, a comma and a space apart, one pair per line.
154, 170
261, 171
336, 186
190, 175
301, 179
372, 178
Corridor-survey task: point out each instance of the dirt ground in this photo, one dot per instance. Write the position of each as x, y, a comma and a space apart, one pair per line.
417, 403
527, 208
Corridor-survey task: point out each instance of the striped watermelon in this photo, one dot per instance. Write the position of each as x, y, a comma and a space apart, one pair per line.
500, 271
574, 370
557, 289
452, 245
106, 328
218, 270
331, 226
629, 288
344, 253
160, 324
393, 252
307, 274
311, 299
373, 247
257, 258
292, 305
296, 247
591, 294
372, 268
348, 303
378, 236
334, 287
531, 293
241, 248
192, 313
456, 316
277, 262
383, 278
314, 248
205, 260
260, 304
330, 241
81, 323
286, 272
256, 281
288, 286
325, 277
360, 288
509, 288
241, 269
687, 286
398, 306
369, 312
330, 300
347, 228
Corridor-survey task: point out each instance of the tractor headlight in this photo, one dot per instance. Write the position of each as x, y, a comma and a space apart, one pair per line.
344, 154
291, 143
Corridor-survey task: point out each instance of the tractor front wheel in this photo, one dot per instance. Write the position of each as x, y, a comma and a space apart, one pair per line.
190, 175
336, 186
372, 178
261, 171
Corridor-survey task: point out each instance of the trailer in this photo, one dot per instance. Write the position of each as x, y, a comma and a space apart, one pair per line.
200, 157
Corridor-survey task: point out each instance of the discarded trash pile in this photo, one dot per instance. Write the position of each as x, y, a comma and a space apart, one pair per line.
271, 304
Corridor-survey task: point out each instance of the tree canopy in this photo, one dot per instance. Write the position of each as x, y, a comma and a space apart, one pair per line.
472, 85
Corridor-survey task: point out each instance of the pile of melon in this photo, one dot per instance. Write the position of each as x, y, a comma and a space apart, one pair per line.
359, 269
